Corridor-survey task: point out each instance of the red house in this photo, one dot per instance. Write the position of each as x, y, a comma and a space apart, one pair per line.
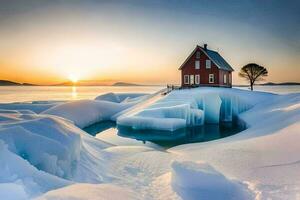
205, 67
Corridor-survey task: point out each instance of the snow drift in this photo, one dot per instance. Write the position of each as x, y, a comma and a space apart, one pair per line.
201, 181
87, 112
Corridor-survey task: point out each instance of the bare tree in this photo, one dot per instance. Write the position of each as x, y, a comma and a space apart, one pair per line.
253, 72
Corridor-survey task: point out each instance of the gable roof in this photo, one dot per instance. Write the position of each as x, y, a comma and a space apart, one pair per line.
214, 56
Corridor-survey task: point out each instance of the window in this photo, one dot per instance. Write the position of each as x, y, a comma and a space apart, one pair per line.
186, 79
197, 64
197, 79
192, 79
211, 78
229, 78
198, 55
208, 64
225, 79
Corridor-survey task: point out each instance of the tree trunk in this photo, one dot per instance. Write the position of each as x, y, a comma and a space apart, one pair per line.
251, 86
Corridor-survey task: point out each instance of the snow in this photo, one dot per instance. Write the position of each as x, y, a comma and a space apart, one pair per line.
121, 97
87, 112
201, 181
35, 106
112, 97
90, 191
46, 155
12, 191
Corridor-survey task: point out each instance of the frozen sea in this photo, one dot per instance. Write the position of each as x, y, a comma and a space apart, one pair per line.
10, 94
43, 93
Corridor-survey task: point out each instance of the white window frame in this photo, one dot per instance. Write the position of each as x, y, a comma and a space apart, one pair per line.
208, 64
197, 64
197, 79
186, 79
198, 55
211, 78
225, 78
192, 79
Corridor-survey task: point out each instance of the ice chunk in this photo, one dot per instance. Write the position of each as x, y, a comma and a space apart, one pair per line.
164, 118
226, 108
211, 108
142, 123
193, 180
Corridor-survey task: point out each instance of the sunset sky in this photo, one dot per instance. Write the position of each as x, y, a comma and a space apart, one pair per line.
45, 42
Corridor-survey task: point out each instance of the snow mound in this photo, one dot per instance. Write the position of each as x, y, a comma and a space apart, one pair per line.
112, 97
36, 107
193, 180
86, 112
20, 180
12, 191
90, 191
57, 143
121, 97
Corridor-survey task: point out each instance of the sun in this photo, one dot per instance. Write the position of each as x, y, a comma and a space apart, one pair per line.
73, 78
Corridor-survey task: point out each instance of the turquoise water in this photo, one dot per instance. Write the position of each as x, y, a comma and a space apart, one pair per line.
169, 139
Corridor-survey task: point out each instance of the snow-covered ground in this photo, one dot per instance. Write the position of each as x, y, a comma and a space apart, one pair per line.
45, 155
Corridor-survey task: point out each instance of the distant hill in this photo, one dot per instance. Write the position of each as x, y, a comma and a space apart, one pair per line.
124, 84
11, 83
96, 83
284, 83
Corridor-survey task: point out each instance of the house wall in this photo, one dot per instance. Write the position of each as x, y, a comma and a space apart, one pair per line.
229, 78
189, 68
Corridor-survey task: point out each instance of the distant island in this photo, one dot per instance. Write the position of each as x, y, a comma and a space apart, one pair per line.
284, 83
11, 83
69, 83
125, 84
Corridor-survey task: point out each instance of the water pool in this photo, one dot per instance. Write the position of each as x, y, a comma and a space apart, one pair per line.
166, 139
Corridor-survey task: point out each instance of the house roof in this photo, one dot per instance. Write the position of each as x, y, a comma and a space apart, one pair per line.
214, 56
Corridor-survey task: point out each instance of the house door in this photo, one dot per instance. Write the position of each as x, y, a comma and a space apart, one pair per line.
192, 82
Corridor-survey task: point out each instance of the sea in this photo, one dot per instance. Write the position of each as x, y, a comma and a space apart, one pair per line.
10, 94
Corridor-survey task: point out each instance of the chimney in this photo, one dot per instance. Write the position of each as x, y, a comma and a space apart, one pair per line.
205, 46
